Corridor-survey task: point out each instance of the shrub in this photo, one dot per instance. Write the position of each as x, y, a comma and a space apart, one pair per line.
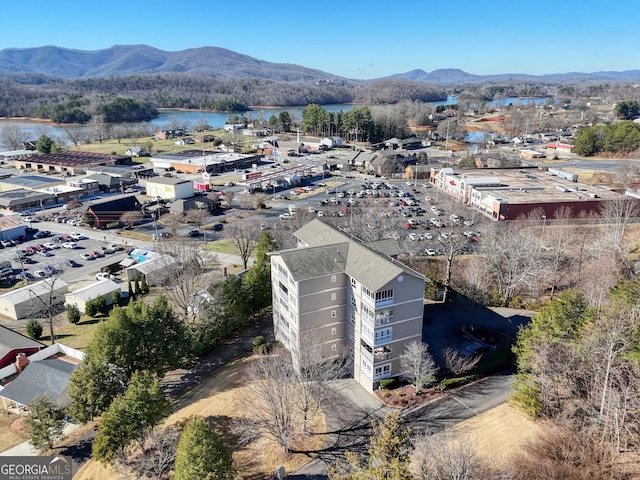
91, 308
73, 314
34, 329
115, 298
259, 340
387, 383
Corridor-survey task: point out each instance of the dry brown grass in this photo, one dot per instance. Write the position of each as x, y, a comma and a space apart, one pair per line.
9, 435
220, 398
500, 432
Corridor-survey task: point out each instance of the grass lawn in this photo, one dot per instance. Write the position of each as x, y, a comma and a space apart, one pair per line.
500, 432
75, 336
9, 437
221, 246
220, 398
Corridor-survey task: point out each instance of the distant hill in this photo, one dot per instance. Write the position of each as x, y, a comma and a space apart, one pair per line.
35, 65
136, 59
456, 76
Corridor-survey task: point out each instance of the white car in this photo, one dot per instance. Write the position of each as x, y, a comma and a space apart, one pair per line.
44, 253
51, 245
113, 247
76, 236
69, 245
414, 236
284, 216
104, 276
40, 274
431, 252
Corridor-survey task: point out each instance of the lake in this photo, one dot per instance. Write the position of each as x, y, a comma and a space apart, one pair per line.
217, 120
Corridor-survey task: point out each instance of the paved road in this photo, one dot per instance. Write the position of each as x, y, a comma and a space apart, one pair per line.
350, 424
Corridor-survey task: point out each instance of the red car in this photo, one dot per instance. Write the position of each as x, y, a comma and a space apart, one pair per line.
95, 254
66, 238
30, 250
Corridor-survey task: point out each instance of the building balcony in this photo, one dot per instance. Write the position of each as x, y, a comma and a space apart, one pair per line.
383, 319
384, 302
381, 355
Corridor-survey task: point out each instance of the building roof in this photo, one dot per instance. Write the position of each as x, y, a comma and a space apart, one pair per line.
153, 264
10, 222
167, 180
49, 377
95, 290
105, 179
11, 340
119, 205
328, 260
78, 159
369, 267
15, 198
33, 181
37, 289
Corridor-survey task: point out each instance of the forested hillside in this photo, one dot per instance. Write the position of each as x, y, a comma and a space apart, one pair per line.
22, 99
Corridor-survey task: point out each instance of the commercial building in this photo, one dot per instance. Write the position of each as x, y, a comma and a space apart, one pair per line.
509, 193
103, 288
70, 162
30, 182
194, 161
12, 228
169, 188
33, 300
348, 297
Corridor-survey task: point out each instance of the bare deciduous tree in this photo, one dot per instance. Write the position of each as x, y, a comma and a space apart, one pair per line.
273, 407
185, 273
244, 236
458, 363
130, 219
13, 137
172, 221
620, 214
417, 365
153, 456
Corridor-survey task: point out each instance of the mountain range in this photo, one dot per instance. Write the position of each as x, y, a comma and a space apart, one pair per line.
119, 60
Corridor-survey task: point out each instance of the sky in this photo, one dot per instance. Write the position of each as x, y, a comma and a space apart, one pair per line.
350, 38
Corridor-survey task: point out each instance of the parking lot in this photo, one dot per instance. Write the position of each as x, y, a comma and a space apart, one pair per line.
37, 258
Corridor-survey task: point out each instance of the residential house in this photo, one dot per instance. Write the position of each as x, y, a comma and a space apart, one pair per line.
351, 299
12, 343
136, 152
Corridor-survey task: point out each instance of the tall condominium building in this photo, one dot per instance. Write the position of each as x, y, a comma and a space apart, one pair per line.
349, 297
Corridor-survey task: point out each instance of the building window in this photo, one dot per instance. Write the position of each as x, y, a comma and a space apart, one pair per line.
367, 292
333, 313
384, 335
283, 287
333, 279
353, 282
333, 330
334, 348
384, 296
382, 371
334, 296
365, 366
367, 331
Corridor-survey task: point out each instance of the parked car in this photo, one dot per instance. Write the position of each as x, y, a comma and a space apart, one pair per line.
104, 276
40, 274
95, 254
217, 227
113, 247
50, 269
70, 245
71, 263
5, 272
7, 243
30, 250
42, 234
77, 236
26, 276
51, 246
431, 252
193, 233
45, 253
86, 256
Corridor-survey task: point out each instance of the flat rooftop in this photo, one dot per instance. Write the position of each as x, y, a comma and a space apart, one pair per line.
536, 186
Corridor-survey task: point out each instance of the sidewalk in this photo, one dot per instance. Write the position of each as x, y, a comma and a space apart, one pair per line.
25, 449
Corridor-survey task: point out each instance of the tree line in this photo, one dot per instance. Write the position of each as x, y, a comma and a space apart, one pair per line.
18, 99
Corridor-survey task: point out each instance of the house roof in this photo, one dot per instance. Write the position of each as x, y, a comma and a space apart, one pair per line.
95, 290
369, 267
11, 340
153, 264
78, 159
50, 377
123, 204
38, 289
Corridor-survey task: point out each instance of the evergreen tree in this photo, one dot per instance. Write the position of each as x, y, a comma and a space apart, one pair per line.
44, 423
34, 329
201, 454
142, 405
73, 314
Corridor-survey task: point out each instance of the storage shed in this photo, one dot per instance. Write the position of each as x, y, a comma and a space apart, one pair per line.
102, 288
